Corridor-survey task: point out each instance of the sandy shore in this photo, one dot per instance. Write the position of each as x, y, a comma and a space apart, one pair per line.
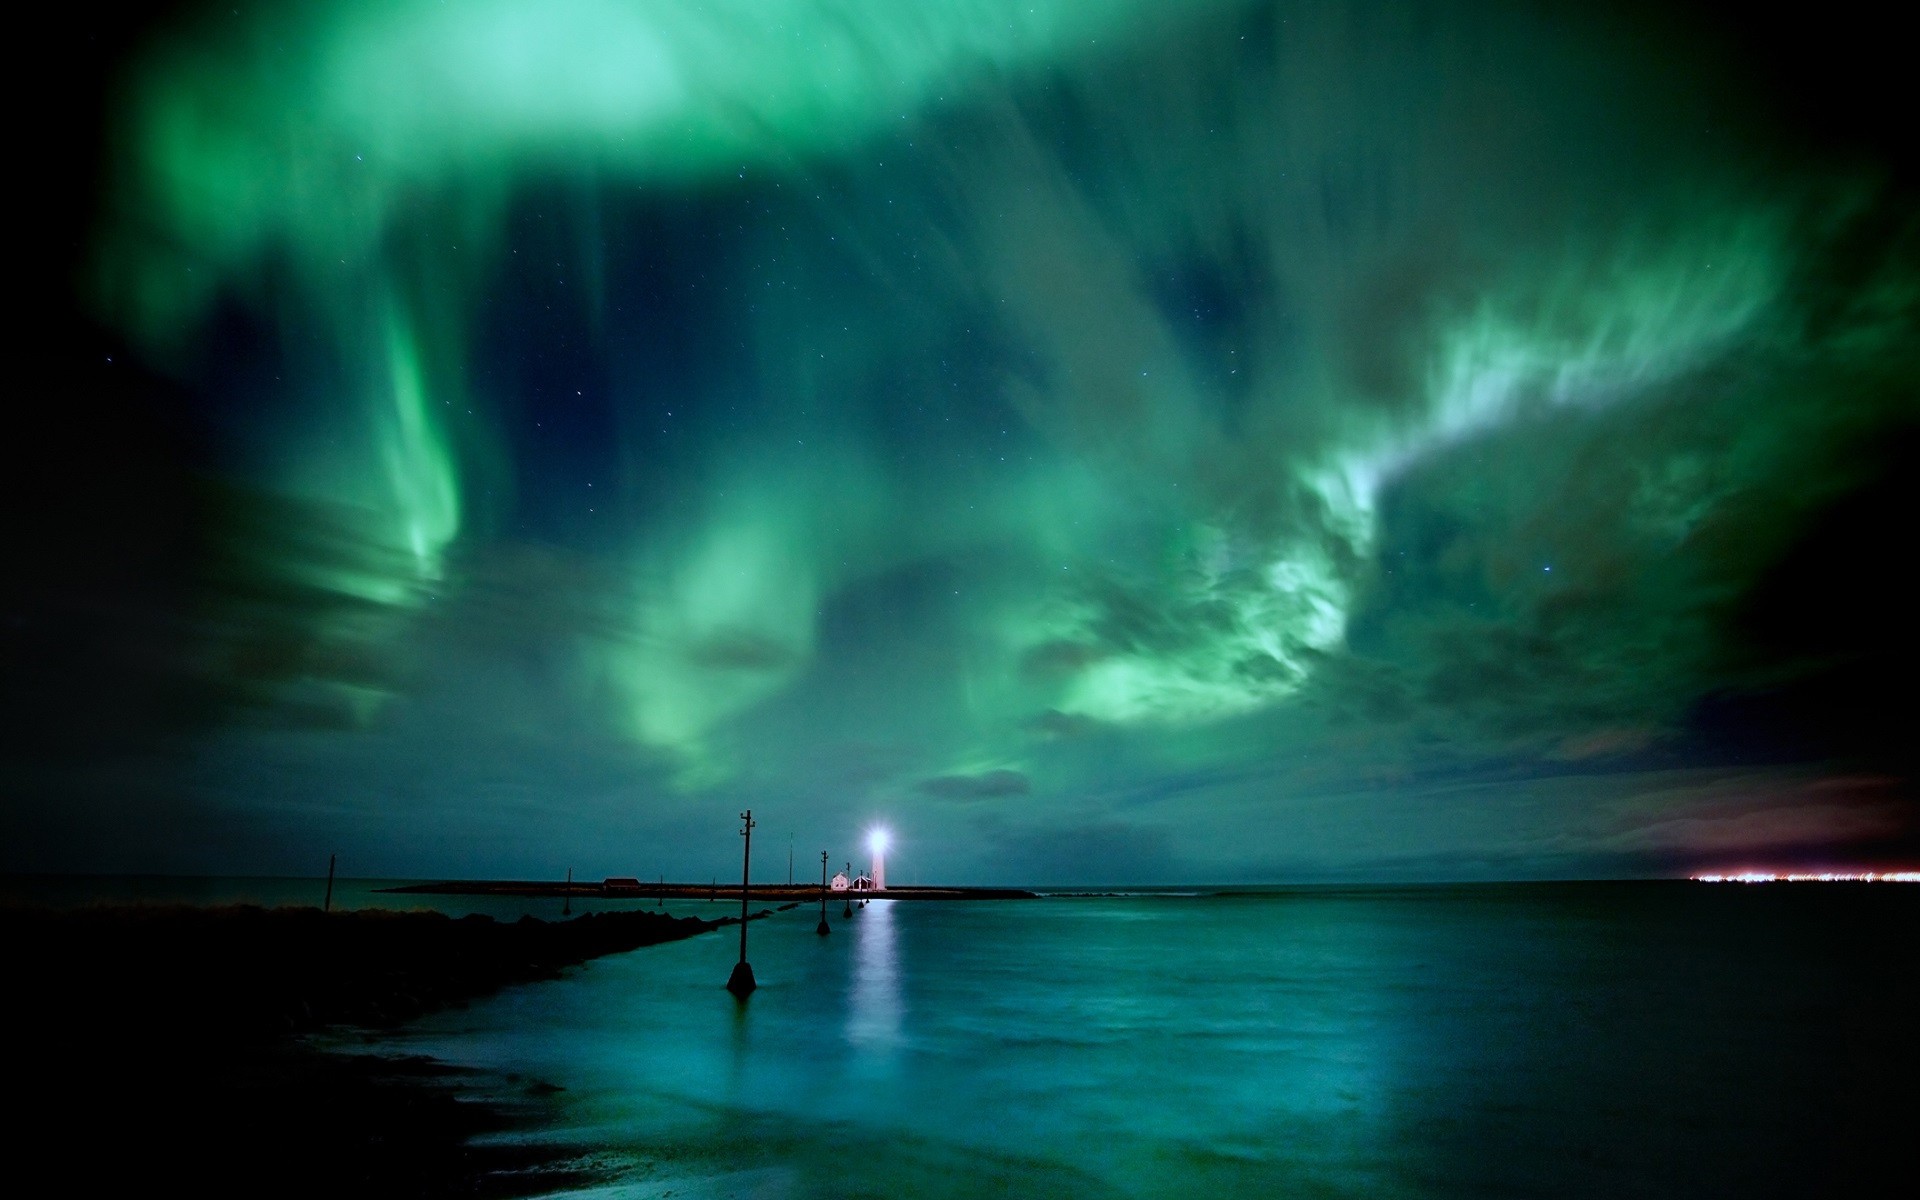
163, 1046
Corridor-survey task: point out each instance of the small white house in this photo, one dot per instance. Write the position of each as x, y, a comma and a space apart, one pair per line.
840, 882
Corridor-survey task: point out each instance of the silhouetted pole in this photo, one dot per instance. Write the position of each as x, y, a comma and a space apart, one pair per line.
741, 982
328, 905
566, 906
849, 911
823, 930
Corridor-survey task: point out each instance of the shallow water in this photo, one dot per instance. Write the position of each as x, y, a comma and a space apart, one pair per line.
1630, 1039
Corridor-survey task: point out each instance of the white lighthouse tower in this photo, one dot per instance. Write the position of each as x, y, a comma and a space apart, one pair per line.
877, 843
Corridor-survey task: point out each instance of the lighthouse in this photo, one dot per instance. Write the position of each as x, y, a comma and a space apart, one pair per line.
877, 843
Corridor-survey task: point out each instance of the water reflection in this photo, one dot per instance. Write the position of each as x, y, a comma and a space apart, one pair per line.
1426, 1044
874, 1007
741, 1045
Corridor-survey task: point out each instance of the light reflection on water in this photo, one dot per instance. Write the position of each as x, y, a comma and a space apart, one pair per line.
874, 1004
1446, 1042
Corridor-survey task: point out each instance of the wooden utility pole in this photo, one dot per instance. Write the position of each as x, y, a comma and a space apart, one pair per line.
328, 905
741, 982
822, 929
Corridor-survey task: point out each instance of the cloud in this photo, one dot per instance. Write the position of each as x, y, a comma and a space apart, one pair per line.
1602, 743
1091, 853
1420, 405
1756, 815
984, 786
1054, 725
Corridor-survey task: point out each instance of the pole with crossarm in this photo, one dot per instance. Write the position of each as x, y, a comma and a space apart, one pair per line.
741, 981
822, 929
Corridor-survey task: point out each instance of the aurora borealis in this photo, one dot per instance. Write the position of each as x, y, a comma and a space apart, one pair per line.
1114, 443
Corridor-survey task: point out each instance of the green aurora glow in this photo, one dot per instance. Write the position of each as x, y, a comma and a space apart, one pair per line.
1274, 440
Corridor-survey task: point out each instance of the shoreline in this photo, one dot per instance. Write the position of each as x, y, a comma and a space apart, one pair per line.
187, 1045
798, 892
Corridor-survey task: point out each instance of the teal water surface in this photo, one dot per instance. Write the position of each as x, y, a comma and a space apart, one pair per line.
1525, 1040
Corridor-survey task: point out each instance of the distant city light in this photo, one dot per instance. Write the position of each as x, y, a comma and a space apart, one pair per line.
1820, 877
877, 841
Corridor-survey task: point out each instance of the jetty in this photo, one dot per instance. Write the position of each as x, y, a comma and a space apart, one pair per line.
627, 888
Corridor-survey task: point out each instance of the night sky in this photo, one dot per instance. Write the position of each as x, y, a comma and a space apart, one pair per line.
1137, 442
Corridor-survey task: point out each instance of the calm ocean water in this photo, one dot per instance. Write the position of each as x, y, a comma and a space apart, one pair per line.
1525, 1040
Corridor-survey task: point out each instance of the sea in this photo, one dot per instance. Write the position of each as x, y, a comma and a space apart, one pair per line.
1480, 1040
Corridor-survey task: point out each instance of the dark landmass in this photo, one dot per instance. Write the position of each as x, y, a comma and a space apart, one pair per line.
696, 891
160, 1047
